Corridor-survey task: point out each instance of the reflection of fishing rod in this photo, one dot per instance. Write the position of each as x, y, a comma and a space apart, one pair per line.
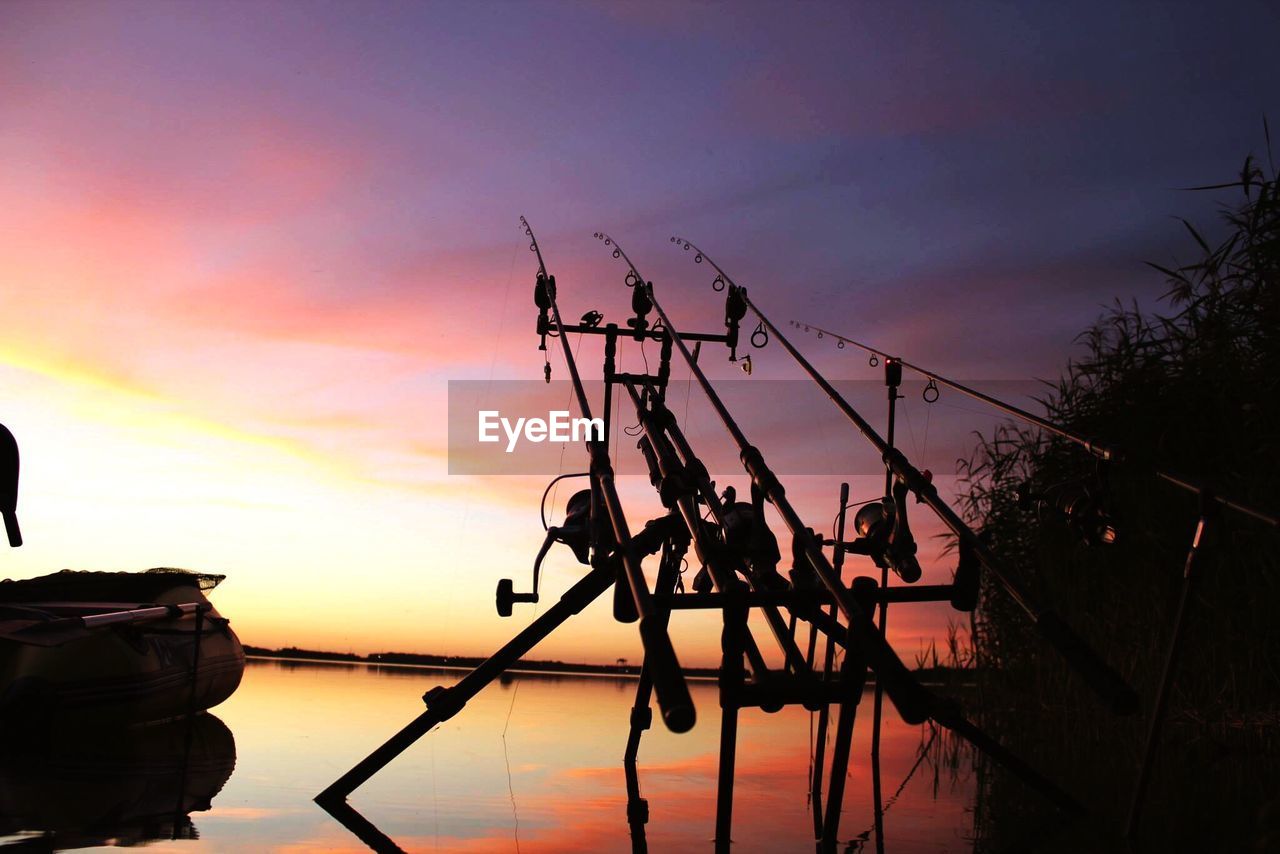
1105, 681
1103, 452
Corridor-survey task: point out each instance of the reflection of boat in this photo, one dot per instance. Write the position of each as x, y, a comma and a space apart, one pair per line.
140, 784
118, 647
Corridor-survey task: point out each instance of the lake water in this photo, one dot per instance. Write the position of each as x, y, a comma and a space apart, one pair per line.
554, 783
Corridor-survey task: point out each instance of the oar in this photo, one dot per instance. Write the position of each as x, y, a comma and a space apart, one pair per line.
66, 629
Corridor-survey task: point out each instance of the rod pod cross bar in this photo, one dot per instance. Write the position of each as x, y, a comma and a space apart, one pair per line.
1105, 452
1104, 680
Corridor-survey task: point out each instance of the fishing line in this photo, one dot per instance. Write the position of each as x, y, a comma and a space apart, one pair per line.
488, 383
920, 757
493, 361
435, 801
688, 390
850, 506
502, 317
542, 509
911, 431
515, 813
506, 756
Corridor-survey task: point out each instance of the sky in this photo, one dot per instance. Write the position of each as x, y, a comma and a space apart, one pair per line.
245, 247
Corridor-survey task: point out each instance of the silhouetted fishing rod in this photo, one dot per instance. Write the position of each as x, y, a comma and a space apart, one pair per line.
1102, 452
1107, 453
1105, 681
660, 656
913, 702
533, 246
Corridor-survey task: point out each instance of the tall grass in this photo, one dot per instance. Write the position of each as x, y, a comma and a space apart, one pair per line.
1193, 390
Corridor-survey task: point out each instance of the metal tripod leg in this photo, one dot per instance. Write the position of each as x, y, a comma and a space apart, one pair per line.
1170, 665
732, 675
444, 703
877, 716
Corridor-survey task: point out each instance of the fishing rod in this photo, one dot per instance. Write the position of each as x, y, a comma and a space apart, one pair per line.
668, 680
909, 697
1104, 452
1105, 681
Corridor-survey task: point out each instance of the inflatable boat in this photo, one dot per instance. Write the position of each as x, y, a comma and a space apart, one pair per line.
113, 648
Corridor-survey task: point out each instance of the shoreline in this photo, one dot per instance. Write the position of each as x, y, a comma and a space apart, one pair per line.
930, 677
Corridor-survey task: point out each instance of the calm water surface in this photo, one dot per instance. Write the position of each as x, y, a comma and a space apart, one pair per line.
554, 783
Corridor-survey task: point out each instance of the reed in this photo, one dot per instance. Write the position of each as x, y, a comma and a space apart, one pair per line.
1193, 389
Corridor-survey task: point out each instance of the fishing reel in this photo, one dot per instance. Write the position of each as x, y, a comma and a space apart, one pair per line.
1080, 503
884, 534
748, 538
574, 533
9, 485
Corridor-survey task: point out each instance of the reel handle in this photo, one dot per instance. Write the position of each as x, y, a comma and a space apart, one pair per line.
506, 595
669, 684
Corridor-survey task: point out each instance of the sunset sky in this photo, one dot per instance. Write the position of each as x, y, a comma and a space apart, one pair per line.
244, 247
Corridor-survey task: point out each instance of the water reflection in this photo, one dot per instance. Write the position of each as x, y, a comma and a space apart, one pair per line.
567, 788
555, 783
78, 788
